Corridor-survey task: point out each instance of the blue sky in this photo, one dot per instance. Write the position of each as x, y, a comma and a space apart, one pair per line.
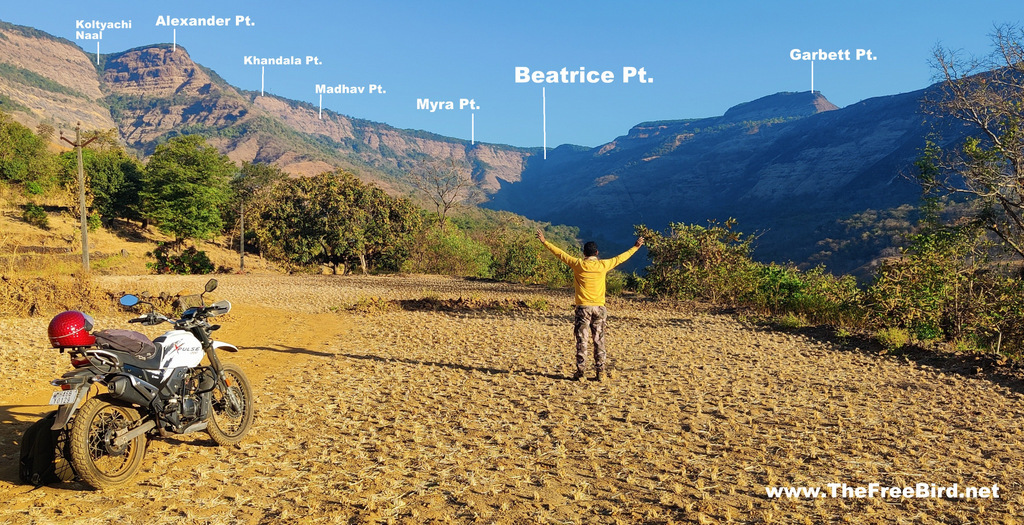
704, 57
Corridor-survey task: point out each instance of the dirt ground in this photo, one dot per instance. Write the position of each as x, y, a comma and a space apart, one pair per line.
419, 399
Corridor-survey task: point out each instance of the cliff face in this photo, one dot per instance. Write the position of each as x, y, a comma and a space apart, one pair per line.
155, 91
787, 166
392, 150
48, 80
779, 106
158, 91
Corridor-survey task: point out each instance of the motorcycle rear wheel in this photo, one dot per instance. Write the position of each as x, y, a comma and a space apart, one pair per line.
93, 454
228, 426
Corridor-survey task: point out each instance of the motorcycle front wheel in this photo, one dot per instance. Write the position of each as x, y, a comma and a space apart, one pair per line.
232, 408
94, 456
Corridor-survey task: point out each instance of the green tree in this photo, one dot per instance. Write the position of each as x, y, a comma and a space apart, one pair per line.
983, 95
254, 179
186, 186
23, 155
252, 183
113, 179
387, 229
335, 220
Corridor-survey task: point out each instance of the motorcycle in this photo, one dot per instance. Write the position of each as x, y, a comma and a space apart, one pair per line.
155, 389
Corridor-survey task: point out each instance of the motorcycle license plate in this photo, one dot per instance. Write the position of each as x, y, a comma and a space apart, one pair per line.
64, 397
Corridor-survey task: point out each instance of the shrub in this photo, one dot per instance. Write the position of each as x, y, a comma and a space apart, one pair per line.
450, 252
34, 188
913, 292
937, 288
996, 317
825, 298
946, 287
615, 282
189, 261
35, 215
694, 262
778, 287
516, 260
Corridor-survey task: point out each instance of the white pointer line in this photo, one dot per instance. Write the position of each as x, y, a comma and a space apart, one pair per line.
472, 129
97, 52
263, 73
544, 111
175, 46
812, 77
321, 106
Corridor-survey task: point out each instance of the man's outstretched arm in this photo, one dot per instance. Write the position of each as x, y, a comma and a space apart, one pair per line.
622, 257
562, 256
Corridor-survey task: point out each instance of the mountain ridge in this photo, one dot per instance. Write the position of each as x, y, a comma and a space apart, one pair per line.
789, 164
786, 179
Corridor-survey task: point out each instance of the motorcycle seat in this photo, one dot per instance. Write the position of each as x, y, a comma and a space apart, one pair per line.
152, 363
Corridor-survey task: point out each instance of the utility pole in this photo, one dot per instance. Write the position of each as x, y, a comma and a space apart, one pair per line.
241, 243
81, 191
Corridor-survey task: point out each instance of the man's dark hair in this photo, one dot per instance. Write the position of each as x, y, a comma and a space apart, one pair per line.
590, 249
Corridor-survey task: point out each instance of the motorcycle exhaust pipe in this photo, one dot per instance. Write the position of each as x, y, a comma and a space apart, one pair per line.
132, 390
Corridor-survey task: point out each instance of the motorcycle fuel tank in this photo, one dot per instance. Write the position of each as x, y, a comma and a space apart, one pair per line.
179, 348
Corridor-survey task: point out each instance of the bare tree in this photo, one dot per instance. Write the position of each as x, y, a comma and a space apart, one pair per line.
984, 94
445, 183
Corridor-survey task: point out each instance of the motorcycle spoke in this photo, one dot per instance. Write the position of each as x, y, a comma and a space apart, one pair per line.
105, 424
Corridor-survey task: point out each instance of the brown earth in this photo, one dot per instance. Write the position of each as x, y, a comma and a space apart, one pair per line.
427, 399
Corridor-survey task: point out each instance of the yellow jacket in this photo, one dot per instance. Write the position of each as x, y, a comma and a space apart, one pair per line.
589, 274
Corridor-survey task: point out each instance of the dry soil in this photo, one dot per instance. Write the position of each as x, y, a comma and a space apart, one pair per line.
430, 400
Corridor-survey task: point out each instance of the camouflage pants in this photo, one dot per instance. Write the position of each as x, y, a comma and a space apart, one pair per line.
589, 323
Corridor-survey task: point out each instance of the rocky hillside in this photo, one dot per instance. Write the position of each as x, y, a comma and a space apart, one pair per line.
156, 92
47, 80
786, 165
152, 93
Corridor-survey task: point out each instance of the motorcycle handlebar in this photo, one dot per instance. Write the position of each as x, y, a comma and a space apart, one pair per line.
151, 319
196, 317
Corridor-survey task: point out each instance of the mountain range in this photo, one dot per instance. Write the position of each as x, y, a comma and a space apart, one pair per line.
788, 166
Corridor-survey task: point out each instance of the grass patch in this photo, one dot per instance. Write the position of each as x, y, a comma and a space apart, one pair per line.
791, 321
893, 338
33, 79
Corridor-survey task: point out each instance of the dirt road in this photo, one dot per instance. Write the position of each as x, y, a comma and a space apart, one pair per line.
389, 399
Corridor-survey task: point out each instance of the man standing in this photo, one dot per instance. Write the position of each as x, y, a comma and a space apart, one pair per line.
589, 281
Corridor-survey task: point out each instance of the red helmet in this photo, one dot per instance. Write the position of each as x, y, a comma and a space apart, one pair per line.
70, 328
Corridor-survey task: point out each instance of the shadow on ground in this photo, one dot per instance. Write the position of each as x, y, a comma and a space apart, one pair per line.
455, 366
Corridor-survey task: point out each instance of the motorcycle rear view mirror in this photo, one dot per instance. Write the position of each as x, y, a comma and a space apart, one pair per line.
211, 285
129, 300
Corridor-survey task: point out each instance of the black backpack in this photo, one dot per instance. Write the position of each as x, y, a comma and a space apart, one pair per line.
126, 341
45, 453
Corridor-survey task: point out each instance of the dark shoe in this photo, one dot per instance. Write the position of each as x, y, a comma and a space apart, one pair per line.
600, 375
577, 376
